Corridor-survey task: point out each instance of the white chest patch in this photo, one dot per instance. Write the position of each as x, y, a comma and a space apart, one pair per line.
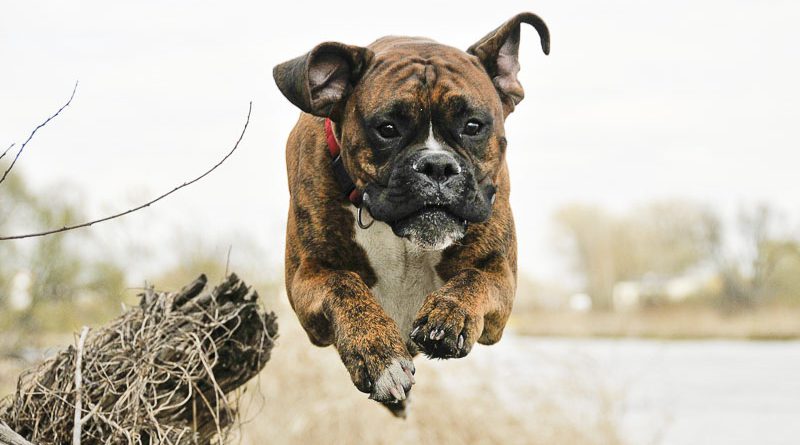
405, 273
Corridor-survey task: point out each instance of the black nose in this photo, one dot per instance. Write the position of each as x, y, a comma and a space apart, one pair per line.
439, 166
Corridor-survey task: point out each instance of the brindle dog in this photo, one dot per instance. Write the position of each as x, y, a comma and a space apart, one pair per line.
405, 241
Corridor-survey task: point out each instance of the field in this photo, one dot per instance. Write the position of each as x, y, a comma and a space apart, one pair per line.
672, 323
544, 388
304, 395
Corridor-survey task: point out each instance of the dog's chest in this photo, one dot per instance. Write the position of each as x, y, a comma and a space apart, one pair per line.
405, 274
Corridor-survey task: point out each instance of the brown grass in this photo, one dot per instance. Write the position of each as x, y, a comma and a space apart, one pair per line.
680, 322
305, 396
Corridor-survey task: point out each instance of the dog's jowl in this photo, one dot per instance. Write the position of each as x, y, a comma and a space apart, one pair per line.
400, 237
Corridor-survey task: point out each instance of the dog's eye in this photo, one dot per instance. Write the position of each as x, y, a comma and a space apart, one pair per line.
472, 127
388, 131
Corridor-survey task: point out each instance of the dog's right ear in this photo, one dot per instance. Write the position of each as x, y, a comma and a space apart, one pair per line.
320, 81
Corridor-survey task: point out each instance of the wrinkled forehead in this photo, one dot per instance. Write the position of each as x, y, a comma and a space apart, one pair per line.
422, 73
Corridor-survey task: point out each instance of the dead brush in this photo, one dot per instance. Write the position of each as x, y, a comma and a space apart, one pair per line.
162, 373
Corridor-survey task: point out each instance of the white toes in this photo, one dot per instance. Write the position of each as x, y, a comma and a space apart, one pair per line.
394, 382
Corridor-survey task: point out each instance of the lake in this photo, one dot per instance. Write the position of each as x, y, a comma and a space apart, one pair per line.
658, 392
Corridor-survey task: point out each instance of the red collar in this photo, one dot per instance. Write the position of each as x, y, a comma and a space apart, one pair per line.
333, 144
346, 184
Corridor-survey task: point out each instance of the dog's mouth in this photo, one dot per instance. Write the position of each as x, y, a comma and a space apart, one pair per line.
432, 227
431, 210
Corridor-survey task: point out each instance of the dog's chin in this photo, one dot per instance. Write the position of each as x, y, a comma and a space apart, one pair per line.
430, 228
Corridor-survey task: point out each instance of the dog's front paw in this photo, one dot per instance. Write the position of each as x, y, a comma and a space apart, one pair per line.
445, 327
379, 365
394, 382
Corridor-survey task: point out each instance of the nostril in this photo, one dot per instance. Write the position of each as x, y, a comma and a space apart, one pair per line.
428, 169
452, 169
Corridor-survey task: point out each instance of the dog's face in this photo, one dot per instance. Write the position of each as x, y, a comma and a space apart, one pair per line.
423, 140
420, 124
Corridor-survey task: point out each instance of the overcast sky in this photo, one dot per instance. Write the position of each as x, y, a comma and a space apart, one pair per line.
639, 100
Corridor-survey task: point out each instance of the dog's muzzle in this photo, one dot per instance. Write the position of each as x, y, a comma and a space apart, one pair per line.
430, 199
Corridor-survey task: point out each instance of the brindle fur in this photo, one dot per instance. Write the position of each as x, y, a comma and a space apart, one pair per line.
328, 275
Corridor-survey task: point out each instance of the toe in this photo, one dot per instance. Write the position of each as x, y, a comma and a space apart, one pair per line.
394, 382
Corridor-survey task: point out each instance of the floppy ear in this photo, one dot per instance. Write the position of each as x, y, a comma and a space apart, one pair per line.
498, 51
321, 80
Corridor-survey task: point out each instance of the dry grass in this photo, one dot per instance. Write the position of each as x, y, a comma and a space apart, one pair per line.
680, 322
305, 396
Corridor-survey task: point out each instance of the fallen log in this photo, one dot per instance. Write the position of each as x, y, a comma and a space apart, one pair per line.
164, 372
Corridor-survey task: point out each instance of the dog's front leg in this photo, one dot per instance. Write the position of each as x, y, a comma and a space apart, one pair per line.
473, 305
339, 305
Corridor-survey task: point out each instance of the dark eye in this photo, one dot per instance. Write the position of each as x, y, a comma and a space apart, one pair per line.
388, 131
472, 127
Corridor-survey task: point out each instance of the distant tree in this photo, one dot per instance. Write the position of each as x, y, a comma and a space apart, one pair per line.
59, 271
668, 237
754, 261
664, 238
589, 234
761, 264
783, 284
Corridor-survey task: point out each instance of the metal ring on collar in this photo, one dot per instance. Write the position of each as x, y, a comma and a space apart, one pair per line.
360, 222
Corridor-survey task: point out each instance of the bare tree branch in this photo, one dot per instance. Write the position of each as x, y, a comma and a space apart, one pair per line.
147, 204
19, 152
7, 149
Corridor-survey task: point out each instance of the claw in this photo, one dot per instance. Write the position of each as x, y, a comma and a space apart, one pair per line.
414, 332
461, 342
410, 376
396, 393
440, 335
433, 334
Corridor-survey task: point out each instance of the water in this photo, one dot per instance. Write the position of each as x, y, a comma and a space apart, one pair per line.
661, 392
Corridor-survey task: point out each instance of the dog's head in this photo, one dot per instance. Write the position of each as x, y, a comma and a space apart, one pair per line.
420, 123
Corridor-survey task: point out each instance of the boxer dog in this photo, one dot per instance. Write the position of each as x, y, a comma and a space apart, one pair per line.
400, 237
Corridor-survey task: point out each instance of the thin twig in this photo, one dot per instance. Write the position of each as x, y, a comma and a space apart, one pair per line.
19, 152
147, 204
7, 149
228, 260
76, 426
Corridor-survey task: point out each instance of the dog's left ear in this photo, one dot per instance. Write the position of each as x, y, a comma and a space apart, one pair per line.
498, 51
321, 80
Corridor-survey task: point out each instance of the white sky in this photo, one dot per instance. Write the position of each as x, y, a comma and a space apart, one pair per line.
637, 101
